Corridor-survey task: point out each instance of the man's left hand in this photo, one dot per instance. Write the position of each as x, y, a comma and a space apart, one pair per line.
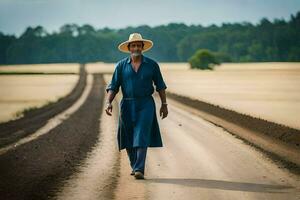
163, 111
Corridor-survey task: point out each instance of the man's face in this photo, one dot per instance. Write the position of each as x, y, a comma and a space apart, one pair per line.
135, 48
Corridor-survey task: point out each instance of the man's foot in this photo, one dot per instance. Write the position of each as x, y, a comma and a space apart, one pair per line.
138, 175
132, 173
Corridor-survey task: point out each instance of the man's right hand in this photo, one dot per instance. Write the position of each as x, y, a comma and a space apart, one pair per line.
108, 109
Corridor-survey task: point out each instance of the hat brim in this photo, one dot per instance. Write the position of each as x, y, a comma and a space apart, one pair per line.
147, 45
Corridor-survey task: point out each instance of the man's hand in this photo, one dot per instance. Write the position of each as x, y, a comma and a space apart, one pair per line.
163, 111
108, 109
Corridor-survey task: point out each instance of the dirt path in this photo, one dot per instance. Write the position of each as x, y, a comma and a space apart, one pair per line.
98, 174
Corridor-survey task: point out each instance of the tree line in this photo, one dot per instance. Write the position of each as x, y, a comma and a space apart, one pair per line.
277, 40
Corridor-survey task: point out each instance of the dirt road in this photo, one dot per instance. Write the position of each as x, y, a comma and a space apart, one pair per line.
202, 161
78, 159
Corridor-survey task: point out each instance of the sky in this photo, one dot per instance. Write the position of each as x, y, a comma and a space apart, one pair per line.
17, 15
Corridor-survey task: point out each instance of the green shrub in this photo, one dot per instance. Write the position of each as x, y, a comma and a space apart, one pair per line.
203, 59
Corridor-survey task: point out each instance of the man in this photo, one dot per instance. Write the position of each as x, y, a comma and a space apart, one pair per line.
138, 127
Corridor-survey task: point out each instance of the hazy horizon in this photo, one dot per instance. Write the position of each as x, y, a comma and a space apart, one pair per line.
116, 14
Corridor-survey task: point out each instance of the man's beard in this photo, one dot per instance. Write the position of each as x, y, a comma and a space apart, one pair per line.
136, 54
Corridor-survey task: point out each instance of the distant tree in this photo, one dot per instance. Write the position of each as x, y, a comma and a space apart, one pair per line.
277, 40
5, 43
222, 57
203, 59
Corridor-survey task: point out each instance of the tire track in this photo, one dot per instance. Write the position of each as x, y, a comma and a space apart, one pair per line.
37, 169
36, 118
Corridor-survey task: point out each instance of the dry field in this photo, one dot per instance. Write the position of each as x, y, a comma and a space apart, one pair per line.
42, 68
22, 92
269, 91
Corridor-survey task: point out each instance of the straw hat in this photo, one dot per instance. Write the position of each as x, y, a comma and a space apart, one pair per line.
134, 37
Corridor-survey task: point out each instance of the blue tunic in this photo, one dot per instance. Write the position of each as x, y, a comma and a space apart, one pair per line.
137, 125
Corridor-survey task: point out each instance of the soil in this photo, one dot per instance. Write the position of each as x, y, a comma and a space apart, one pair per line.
36, 169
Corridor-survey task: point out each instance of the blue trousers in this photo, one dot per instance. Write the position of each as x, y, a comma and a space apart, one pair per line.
137, 158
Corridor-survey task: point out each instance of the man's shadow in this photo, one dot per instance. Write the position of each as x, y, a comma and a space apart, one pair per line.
223, 185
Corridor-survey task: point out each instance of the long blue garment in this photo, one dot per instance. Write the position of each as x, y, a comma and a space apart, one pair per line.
137, 125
